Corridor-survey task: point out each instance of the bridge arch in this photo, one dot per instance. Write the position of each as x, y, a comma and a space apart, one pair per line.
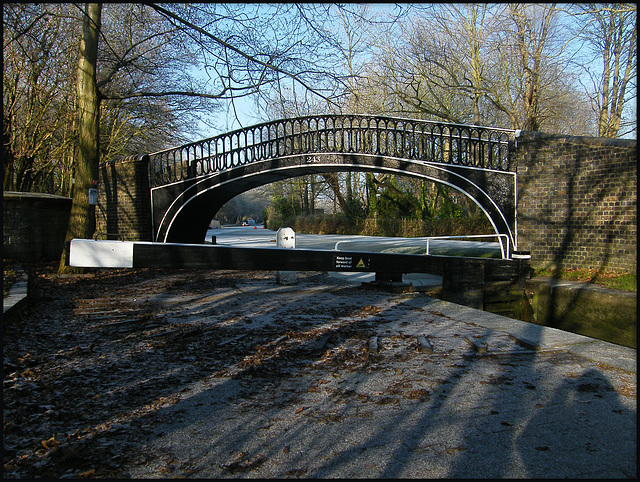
183, 209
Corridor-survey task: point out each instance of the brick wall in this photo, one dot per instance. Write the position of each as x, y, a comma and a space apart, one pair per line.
577, 201
124, 200
34, 226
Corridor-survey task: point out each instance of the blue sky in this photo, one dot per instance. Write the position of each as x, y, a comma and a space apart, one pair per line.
225, 120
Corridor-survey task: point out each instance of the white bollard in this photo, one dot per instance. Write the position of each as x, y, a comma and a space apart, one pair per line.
286, 238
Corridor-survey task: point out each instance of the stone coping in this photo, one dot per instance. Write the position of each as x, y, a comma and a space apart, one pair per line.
32, 195
17, 297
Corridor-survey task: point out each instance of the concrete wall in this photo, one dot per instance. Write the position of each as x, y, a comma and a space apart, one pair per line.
577, 201
34, 226
124, 200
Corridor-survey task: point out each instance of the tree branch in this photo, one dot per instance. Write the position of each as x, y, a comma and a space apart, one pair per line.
227, 45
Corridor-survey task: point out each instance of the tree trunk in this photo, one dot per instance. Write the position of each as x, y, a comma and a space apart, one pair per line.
82, 220
615, 35
332, 180
7, 155
531, 47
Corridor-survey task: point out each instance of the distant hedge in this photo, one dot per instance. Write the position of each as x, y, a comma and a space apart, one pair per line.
406, 228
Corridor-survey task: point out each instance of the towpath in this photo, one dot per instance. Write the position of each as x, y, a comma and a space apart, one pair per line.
154, 374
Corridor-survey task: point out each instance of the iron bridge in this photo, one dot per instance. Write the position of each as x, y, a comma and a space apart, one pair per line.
191, 182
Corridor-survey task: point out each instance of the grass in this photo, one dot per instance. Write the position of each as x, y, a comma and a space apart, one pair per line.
613, 280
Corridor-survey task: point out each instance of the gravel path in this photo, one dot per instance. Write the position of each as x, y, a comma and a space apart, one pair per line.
158, 374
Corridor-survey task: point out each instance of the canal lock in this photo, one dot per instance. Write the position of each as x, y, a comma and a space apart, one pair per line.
583, 308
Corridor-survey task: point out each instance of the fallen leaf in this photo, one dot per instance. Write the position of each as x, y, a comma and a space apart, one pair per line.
245, 464
51, 443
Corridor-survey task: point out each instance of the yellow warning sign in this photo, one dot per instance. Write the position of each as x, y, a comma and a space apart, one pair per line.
360, 264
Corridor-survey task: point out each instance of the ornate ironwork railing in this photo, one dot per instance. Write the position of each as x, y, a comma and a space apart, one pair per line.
413, 139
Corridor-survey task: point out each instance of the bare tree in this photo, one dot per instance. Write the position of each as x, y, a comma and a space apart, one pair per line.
531, 38
40, 100
502, 65
435, 66
610, 32
38, 105
156, 64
